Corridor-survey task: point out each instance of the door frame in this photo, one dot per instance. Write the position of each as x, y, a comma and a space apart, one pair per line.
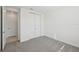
1, 28
18, 25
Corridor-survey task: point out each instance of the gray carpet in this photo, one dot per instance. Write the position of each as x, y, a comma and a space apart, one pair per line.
40, 44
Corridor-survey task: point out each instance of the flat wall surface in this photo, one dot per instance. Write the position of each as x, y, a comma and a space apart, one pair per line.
63, 25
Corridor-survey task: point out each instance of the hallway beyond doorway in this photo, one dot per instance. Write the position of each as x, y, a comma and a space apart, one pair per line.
11, 39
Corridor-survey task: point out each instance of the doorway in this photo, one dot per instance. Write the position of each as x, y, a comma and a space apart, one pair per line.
10, 25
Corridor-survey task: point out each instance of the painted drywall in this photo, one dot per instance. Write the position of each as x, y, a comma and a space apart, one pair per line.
27, 25
63, 25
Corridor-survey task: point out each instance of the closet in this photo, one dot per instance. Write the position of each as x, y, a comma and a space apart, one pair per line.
37, 25
30, 22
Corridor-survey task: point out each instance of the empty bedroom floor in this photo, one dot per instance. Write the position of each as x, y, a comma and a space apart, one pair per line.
40, 44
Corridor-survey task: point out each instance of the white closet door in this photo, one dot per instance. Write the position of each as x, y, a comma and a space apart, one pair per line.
37, 25
26, 25
30, 26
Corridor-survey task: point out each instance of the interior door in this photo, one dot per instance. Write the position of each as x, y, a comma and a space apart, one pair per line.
30, 32
29, 25
26, 25
4, 34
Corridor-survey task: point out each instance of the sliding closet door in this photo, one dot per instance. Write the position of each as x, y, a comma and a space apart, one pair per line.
26, 25
37, 26
29, 25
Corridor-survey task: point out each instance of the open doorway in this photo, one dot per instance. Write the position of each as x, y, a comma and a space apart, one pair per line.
12, 22
10, 25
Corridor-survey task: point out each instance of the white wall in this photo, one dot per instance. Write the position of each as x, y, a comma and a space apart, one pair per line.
63, 25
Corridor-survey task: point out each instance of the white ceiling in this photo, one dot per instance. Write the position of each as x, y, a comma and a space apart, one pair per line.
43, 9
